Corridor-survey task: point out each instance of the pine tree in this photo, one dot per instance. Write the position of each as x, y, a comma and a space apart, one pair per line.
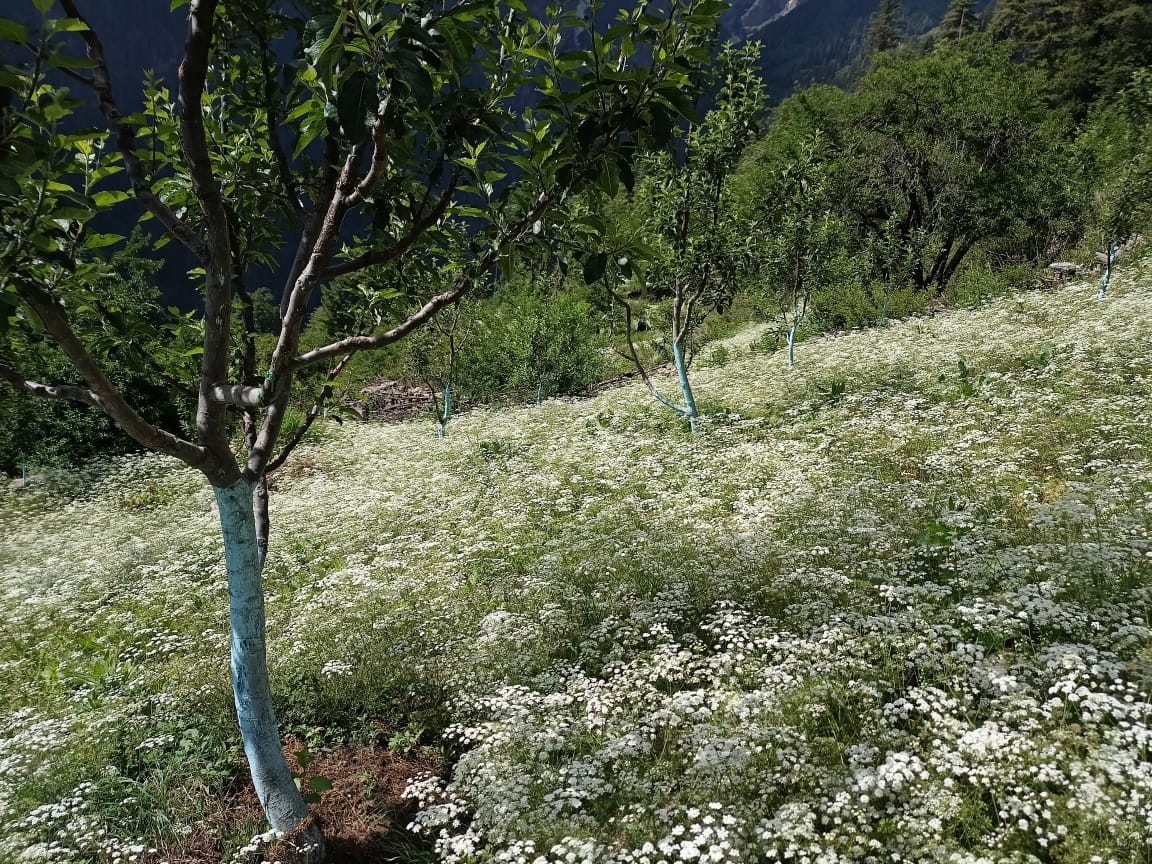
1086, 49
885, 29
958, 20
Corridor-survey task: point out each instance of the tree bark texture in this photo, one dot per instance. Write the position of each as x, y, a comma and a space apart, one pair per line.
275, 786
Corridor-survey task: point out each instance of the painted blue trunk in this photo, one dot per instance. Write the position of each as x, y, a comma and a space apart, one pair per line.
685, 387
792, 342
1107, 271
281, 800
447, 409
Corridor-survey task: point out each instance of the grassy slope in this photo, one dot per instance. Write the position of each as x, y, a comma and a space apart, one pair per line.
885, 604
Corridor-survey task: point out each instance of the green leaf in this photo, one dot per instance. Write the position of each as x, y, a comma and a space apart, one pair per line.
320, 784
99, 241
68, 25
42, 6
304, 758
308, 133
594, 267
353, 103
109, 197
176, 4
536, 52
13, 31
680, 101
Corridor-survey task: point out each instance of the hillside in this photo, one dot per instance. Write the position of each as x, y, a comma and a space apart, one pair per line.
822, 41
894, 602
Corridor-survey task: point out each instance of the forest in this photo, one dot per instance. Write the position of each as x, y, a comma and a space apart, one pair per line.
480, 432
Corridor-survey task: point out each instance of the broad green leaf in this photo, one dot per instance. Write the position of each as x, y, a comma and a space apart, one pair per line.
354, 102
304, 758
109, 197
594, 267
67, 25
99, 241
13, 31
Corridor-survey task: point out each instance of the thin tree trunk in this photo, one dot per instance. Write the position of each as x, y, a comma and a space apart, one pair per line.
636, 357
685, 387
953, 265
275, 786
447, 415
1107, 270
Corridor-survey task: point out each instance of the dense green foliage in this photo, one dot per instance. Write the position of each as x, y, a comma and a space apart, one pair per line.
944, 150
1088, 50
36, 433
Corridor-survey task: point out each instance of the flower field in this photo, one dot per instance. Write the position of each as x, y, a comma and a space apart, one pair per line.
891, 605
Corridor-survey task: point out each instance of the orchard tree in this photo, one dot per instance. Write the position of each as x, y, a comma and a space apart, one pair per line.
1115, 152
692, 245
954, 148
803, 238
394, 128
891, 259
434, 357
947, 150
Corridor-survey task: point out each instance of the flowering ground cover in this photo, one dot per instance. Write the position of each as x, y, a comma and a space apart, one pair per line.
891, 605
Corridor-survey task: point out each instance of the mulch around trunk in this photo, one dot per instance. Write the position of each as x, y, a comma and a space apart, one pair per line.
363, 815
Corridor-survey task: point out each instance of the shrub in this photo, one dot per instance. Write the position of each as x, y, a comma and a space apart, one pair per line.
533, 346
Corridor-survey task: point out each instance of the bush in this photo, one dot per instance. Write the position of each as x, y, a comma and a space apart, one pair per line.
980, 282
532, 346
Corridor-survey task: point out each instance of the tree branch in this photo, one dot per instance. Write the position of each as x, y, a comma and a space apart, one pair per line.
383, 256
82, 395
111, 401
313, 413
314, 257
211, 416
418, 319
379, 161
277, 146
324, 194
126, 142
236, 394
635, 357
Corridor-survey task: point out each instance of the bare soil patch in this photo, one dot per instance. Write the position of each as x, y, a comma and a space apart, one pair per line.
363, 815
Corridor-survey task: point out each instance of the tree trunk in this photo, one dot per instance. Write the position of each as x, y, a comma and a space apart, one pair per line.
1107, 270
447, 413
685, 387
275, 786
884, 308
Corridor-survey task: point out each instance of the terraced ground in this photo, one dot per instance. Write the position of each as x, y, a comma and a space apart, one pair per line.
891, 605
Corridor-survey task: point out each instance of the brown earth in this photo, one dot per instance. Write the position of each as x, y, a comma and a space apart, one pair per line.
363, 815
